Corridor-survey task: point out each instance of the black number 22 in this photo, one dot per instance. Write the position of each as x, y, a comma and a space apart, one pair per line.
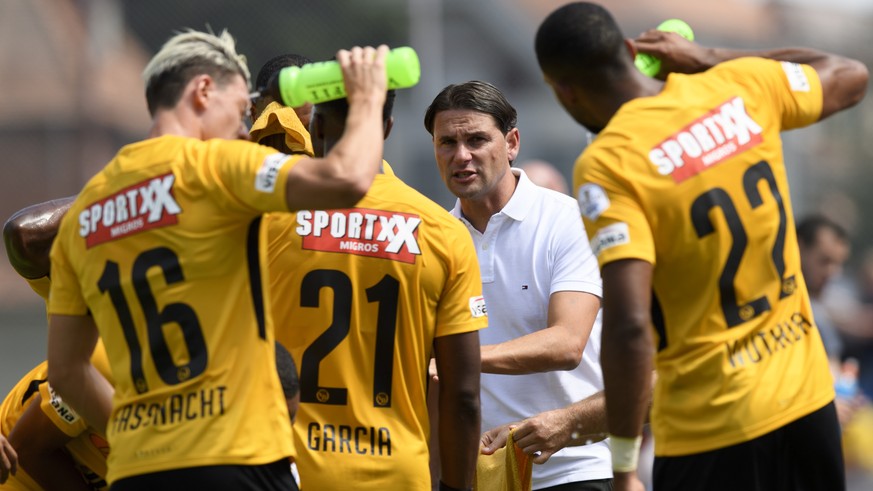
718, 198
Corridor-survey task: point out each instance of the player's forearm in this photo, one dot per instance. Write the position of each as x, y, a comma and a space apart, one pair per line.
807, 56
626, 359
85, 390
459, 427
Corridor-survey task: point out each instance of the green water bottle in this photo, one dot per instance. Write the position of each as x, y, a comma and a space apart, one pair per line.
323, 81
650, 65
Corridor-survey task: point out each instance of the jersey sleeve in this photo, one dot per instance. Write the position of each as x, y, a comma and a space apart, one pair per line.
802, 102
462, 306
249, 175
40, 286
65, 295
614, 219
794, 89
574, 267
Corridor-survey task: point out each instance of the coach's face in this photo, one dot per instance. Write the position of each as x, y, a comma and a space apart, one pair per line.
472, 154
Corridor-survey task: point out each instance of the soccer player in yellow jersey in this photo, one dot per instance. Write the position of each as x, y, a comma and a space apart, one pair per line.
164, 249
685, 199
363, 296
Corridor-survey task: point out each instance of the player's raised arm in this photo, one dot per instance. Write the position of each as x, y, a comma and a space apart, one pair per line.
843, 80
342, 177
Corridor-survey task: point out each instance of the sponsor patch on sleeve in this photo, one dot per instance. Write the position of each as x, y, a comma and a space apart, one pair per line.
610, 236
65, 412
477, 306
265, 180
797, 79
592, 200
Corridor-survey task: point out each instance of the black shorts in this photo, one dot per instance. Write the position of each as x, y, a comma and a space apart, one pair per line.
804, 455
269, 477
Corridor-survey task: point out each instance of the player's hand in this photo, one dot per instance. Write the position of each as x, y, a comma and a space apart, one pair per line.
676, 53
364, 74
627, 481
432, 371
8, 460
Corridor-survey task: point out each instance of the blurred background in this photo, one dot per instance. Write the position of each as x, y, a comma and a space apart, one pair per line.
71, 93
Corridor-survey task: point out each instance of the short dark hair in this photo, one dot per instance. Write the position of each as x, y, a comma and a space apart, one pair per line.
473, 96
582, 43
809, 226
276, 63
339, 108
287, 372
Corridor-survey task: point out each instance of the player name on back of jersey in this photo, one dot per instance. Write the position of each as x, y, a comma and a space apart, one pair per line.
207, 402
768, 341
711, 139
364, 232
345, 439
143, 206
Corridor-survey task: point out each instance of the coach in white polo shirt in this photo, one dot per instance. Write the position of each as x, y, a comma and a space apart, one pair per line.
542, 288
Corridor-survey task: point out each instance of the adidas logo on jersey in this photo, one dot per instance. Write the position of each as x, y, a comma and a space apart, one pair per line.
143, 206
360, 231
711, 139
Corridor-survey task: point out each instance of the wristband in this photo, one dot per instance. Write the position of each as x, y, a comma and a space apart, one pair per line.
446, 487
625, 453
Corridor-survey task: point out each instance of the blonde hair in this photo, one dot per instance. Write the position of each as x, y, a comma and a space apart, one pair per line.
186, 55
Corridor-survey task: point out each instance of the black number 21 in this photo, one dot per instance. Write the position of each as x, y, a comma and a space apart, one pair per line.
386, 293
718, 198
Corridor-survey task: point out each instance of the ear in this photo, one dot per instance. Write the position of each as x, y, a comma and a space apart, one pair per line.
630, 47
513, 143
388, 125
202, 87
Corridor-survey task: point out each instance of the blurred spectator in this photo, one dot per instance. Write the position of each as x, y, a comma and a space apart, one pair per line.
824, 248
545, 174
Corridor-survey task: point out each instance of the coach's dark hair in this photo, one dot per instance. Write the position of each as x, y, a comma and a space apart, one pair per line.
287, 372
276, 63
581, 43
808, 227
340, 107
473, 96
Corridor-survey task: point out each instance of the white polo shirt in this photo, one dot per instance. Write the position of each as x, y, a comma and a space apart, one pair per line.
532, 248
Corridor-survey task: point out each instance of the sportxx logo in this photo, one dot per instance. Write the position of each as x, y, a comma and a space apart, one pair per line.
364, 232
146, 205
711, 139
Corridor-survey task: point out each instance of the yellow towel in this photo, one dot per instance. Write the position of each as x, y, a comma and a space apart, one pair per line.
507, 469
278, 119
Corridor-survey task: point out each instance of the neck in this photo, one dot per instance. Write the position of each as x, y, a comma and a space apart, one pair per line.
171, 122
479, 210
623, 90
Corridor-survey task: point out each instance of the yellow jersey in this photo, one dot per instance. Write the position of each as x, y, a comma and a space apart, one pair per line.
703, 196
359, 296
163, 247
87, 449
